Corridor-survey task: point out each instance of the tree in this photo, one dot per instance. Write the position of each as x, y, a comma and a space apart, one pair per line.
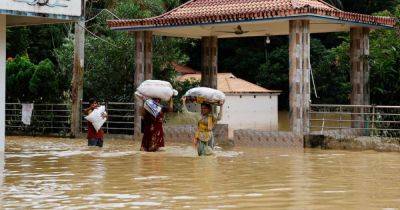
19, 73
27, 82
43, 84
109, 56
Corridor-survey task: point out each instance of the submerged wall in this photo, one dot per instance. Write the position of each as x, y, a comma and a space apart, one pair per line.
185, 133
255, 138
353, 143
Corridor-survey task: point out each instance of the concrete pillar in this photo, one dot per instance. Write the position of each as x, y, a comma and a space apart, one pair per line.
209, 61
77, 78
2, 86
143, 70
148, 53
299, 76
360, 71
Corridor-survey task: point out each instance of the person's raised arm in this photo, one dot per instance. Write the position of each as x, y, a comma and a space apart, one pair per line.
89, 109
171, 105
219, 117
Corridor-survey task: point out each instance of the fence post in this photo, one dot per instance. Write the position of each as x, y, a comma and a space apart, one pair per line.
52, 118
340, 121
108, 115
80, 109
323, 121
373, 121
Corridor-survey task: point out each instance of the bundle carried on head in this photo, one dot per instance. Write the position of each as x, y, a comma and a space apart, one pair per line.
205, 95
156, 89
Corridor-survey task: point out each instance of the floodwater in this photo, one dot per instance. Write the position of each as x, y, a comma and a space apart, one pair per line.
46, 173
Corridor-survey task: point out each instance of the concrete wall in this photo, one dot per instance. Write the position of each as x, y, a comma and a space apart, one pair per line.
185, 134
257, 112
253, 138
247, 138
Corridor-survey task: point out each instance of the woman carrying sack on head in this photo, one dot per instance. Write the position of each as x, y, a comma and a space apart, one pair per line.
152, 125
204, 137
152, 92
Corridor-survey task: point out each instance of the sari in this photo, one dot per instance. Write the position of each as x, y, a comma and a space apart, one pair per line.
153, 132
205, 135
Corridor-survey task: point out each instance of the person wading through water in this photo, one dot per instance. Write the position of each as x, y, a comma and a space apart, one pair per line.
204, 136
95, 138
152, 128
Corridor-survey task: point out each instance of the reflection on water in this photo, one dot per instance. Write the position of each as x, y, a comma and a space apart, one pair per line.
58, 173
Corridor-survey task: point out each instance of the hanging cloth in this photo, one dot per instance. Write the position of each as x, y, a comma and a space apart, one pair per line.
27, 113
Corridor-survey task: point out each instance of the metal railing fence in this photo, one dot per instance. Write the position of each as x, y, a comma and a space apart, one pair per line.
56, 119
120, 118
355, 120
46, 119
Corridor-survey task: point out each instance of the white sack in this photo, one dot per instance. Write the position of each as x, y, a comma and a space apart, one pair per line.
157, 89
27, 113
208, 94
96, 117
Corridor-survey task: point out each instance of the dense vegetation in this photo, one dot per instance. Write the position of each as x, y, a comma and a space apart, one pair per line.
40, 68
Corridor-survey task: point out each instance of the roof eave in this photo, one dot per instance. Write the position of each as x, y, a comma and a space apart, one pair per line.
309, 16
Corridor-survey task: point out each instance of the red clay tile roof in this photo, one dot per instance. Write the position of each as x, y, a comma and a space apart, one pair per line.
228, 83
184, 69
211, 11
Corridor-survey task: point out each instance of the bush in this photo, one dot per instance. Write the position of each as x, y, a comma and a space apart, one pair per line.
27, 82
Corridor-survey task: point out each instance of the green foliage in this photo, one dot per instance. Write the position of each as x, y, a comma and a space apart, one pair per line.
332, 76
36, 41
19, 73
64, 57
385, 62
27, 82
43, 84
182, 88
369, 6
18, 41
109, 60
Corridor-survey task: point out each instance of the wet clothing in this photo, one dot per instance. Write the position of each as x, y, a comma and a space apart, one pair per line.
153, 132
95, 142
203, 148
92, 133
205, 135
95, 138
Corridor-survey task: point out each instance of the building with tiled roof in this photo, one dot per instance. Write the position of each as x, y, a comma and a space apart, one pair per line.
229, 83
211, 20
256, 17
183, 70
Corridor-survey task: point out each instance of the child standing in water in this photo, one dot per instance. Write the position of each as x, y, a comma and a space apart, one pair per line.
95, 138
204, 136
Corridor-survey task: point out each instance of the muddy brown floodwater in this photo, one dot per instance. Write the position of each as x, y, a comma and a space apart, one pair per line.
46, 173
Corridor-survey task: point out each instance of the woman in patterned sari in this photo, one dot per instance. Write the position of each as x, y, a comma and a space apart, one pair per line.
204, 136
152, 127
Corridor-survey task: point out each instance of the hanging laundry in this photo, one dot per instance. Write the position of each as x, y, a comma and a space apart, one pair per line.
27, 113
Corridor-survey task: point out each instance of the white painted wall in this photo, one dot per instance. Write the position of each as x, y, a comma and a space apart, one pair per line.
73, 7
258, 112
2, 82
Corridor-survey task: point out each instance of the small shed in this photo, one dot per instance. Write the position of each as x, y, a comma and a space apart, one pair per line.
247, 106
